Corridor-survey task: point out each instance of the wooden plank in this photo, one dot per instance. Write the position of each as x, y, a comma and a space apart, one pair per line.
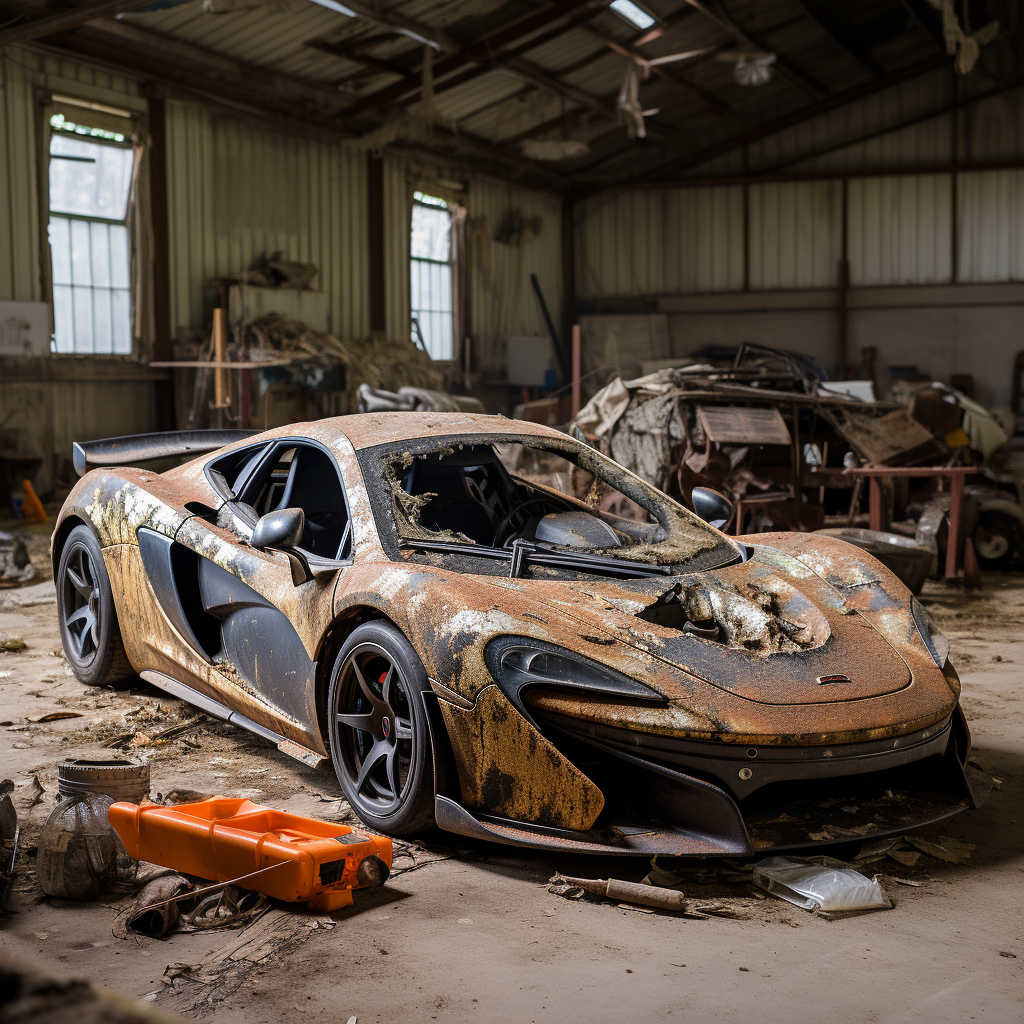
737, 424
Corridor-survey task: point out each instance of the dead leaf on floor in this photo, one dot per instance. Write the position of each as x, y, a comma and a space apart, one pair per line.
12, 643
721, 910
140, 739
908, 858
53, 716
951, 850
877, 850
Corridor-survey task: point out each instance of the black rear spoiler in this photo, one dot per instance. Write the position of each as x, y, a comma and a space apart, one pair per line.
123, 451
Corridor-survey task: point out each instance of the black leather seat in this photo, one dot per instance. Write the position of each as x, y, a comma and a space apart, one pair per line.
313, 486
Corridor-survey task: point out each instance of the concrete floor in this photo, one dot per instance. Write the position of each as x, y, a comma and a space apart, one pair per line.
473, 934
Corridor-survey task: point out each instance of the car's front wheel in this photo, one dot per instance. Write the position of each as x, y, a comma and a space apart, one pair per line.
89, 630
379, 734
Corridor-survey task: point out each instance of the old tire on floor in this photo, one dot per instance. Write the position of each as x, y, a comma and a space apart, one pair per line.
995, 540
379, 735
89, 629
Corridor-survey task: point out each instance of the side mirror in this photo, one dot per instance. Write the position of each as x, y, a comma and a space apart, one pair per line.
712, 506
282, 531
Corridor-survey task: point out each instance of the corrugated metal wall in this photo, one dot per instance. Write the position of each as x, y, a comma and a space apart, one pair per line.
239, 190
659, 242
42, 410
687, 240
502, 301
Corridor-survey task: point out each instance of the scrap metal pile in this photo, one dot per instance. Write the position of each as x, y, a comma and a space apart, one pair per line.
316, 361
780, 440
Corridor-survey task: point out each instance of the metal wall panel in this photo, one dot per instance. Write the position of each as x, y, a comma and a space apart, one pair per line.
503, 303
397, 225
501, 300
19, 209
795, 234
900, 230
991, 226
660, 242
239, 190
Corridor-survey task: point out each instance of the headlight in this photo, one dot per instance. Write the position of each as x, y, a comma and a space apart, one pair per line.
518, 662
937, 644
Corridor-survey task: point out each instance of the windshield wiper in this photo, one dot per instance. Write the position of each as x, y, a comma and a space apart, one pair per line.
523, 553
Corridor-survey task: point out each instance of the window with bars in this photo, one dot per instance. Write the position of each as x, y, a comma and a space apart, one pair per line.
90, 252
430, 276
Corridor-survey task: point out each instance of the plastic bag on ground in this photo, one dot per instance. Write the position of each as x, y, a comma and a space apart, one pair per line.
824, 885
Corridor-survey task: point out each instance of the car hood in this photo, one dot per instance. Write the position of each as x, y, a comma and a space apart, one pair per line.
784, 634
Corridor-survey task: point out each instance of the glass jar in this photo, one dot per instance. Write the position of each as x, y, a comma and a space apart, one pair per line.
80, 856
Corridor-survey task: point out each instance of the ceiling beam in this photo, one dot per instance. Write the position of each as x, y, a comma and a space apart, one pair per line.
770, 128
64, 21
480, 52
214, 76
670, 74
353, 53
504, 56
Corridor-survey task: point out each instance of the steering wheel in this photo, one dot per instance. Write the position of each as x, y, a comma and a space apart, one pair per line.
502, 533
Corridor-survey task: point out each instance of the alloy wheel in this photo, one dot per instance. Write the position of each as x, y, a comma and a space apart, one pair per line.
81, 603
373, 717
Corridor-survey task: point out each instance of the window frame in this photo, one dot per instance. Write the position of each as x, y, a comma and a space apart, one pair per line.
449, 263
51, 215
262, 463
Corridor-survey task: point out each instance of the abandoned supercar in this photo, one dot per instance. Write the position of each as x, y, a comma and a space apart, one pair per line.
488, 625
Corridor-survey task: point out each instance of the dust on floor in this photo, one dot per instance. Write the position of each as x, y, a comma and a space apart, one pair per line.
469, 932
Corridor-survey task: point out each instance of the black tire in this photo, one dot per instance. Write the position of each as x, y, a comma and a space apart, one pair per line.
995, 540
379, 733
86, 614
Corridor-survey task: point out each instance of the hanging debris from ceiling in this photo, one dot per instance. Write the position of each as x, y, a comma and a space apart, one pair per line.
961, 42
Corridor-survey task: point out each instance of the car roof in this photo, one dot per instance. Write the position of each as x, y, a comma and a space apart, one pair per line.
365, 430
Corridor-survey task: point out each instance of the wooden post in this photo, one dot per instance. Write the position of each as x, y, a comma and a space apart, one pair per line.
576, 345
221, 383
377, 259
956, 504
158, 190
844, 282
568, 234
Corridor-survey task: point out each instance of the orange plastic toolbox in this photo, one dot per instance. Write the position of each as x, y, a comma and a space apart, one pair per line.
309, 861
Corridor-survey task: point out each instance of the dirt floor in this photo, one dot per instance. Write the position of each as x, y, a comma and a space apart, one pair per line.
471, 932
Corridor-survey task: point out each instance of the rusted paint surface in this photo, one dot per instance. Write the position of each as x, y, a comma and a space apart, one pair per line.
151, 642
507, 768
801, 607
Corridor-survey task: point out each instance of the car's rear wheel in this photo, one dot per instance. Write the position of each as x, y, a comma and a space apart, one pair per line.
379, 735
89, 629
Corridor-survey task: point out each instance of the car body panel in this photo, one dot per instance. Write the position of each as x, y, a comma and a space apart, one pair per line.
818, 651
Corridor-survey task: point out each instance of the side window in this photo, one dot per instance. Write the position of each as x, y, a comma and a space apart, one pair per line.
303, 476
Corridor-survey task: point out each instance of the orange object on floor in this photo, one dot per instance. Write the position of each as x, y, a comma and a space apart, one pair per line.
300, 860
32, 510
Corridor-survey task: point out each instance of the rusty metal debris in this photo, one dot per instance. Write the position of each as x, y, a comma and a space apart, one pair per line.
170, 902
624, 892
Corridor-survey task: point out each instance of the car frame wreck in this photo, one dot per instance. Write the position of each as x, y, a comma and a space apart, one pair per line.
520, 662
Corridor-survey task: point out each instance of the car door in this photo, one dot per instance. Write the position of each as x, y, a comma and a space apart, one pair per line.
256, 629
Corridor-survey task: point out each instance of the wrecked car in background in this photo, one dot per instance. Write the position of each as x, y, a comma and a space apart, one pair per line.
490, 626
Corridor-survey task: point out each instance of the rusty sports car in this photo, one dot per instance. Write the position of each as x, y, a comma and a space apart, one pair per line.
487, 625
